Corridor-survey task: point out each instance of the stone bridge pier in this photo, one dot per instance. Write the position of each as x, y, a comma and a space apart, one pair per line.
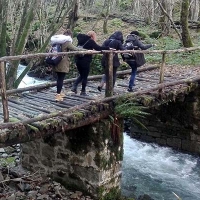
175, 124
87, 159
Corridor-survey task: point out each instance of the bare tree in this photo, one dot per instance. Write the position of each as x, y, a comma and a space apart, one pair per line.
107, 5
18, 26
186, 39
170, 19
194, 10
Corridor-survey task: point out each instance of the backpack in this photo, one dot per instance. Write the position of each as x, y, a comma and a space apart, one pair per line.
54, 60
56, 47
128, 46
138, 57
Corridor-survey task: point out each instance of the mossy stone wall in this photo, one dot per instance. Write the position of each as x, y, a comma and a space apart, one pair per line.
87, 159
176, 124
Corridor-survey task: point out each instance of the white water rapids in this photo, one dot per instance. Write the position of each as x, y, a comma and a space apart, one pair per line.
159, 171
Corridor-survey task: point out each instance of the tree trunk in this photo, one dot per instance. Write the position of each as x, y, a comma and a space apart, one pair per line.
194, 10
186, 39
73, 16
26, 20
107, 5
164, 21
3, 23
21, 18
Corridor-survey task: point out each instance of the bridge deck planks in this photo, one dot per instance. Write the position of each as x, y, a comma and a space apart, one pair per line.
29, 105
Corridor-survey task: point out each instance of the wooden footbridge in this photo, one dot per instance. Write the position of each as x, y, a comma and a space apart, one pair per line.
32, 112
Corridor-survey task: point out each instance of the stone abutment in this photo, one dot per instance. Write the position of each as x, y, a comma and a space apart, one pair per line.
87, 159
175, 124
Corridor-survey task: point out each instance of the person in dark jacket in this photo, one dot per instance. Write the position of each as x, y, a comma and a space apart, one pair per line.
115, 41
133, 38
83, 62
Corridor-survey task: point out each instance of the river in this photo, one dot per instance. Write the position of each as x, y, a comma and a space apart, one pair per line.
159, 172
27, 80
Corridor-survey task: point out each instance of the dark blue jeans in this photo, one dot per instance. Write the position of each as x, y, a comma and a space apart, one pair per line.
132, 64
84, 70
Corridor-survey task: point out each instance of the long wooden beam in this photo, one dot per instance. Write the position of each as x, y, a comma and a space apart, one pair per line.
37, 55
52, 84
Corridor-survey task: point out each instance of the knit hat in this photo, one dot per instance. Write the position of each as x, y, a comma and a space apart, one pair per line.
135, 33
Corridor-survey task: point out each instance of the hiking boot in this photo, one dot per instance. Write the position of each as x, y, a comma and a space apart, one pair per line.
58, 97
84, 94
74, 89
99, 88
130, 90
62, 94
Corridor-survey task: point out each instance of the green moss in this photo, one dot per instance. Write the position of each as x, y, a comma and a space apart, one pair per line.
146, 100
32, 128
113, 194
12, 119
78, 115
10, 161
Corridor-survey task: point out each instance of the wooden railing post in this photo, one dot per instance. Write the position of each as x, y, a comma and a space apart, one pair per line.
109, 76
3, 92
162, 68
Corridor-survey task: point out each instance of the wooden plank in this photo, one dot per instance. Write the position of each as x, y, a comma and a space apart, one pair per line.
36, 108
26, 112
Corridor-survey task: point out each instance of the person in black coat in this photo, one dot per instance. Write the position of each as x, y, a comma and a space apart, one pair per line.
115, 41
134, 39
83, 62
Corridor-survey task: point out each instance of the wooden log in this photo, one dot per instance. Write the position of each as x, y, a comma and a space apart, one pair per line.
162, 68
109, 76
3, 92
37, 108
40, 118
28, 111
52, 84
159, 86
40, 55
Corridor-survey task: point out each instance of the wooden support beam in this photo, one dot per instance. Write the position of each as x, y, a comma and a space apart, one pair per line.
109, 76
3, 92
162, 68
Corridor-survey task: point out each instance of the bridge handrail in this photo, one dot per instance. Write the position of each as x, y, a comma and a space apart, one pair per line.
108, 70
36, 55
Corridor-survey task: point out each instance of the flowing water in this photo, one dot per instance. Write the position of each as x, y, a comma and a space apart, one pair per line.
159, 172
27, 80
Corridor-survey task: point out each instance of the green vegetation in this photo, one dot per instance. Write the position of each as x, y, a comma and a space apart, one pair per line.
7, 162
128, 107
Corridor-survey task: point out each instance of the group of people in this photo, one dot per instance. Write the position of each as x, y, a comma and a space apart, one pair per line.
88, 42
